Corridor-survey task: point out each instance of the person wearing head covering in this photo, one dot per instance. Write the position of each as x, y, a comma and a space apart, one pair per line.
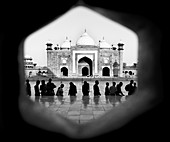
72, 90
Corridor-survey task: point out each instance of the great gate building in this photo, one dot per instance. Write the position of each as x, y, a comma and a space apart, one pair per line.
85, 58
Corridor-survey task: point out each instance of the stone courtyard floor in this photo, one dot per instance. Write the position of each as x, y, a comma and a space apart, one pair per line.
80, 109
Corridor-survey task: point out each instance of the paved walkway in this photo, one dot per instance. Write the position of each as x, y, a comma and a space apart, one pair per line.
80, 109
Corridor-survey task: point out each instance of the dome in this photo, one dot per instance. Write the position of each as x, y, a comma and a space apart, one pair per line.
66, 43
85, 39
104, 44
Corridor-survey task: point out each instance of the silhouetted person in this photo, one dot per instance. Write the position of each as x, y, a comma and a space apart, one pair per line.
96, 88
113, 89
60, 90
85, 88
107, 90
50, 88
129, 87
119, 90
134, 87
36, 88
28, 87
43, 88
72, 90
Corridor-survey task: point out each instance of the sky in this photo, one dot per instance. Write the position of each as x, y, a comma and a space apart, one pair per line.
72, 24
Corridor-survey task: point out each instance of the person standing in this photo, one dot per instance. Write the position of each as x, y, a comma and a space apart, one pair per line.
36, 88
107, 90
119, 90
113, 89
85, 89
72, 90
50, 88
134, 87
28, 87
129, 87
43, 88
60, 90
96, 89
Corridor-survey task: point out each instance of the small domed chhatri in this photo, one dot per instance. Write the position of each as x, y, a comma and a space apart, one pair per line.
85, 58
85, 39
66, 43
103, 44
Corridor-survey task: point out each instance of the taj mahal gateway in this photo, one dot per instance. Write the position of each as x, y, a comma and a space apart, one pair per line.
85, 58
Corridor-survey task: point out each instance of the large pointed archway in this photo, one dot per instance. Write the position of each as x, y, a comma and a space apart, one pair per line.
85, 65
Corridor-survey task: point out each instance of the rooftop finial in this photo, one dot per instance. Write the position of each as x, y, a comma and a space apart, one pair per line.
121, 41
85, 30
49, 41
103, 37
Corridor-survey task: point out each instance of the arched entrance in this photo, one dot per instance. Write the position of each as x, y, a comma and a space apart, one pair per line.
85, 71
85, 66
106, 71
64, 70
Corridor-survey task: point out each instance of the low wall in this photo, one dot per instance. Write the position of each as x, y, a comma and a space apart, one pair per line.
81, 79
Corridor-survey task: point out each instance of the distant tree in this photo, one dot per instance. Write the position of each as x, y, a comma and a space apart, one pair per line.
130, 73
55, 48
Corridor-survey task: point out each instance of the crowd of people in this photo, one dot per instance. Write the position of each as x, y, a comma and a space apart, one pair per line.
44, 89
